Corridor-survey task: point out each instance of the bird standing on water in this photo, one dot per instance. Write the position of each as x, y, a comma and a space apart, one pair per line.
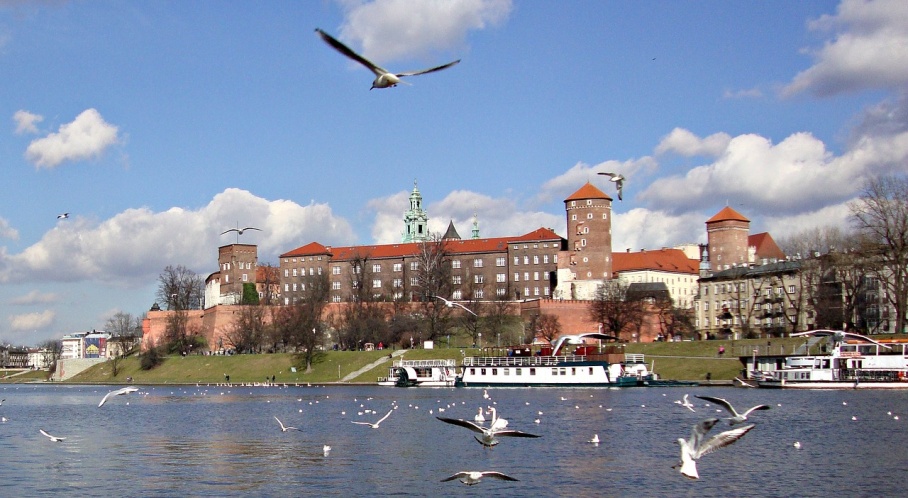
383, 77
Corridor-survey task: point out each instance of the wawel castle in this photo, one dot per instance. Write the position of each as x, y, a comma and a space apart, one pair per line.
539, 271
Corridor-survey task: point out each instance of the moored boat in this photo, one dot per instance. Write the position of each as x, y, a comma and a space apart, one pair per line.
586, 365
421, 373
856, 362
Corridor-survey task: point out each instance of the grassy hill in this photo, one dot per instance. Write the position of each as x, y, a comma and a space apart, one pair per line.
671, 360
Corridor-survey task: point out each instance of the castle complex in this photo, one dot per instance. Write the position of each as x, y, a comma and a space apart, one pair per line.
540, 271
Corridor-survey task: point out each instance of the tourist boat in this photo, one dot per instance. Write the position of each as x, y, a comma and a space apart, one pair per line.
421, 373
856, 362
586, 366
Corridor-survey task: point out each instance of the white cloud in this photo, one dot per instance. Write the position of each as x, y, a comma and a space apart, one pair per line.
87, 137
133, 247
836, 215
8, 232
35, 297
400, 29
685, 143
642, 228
26, 122
32, 321
869, 50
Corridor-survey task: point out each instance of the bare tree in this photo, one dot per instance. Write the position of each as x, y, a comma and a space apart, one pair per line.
270, 283
611, 308
548, 326
124, 330
51, 350
881, 216
247, 332
300, 322
180, 288
180, 336
433, 277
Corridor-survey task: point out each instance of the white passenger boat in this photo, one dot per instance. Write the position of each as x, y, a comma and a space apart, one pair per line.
587, 365
856, 362
421, 373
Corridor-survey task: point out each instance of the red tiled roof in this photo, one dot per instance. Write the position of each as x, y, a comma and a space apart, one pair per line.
587, 191
766, 246
538, 234
667, 260
310, 249
727, 214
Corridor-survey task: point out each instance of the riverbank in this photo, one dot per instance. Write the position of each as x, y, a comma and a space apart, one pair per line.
691, 360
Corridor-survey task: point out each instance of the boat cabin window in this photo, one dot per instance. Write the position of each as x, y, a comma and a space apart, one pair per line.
494, 371
519, 371
563, 371
591, 370
482, 371
507, 371
573, 371
532, 371
472, 371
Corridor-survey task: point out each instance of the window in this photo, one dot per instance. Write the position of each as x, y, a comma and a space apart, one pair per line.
376, 284
414, 281
589, 216
791, 289
535, 275
455, 263
294, 287
477, 263
376, 268
477, 279
294, 272
516, 260
455, 279
526, 276
397, 283
545, 259
479, 294
286, 272
398, 267
500, 277
457, 295
535, 260
535, 291
526, 260
501, 291
335, 285
336, 270
500, 261
517, 276
286, 287
245, 277
545, 291
414, 265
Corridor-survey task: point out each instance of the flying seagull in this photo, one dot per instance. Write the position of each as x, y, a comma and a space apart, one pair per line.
452, 304
619, 181
686, 403
239, 231
490, 434
125, 390
62, 216
52, 438
696, 447
736, 418
473, 477
283, 427
383, 77
375, 425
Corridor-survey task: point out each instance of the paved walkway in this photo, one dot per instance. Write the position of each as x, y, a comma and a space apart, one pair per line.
352, 375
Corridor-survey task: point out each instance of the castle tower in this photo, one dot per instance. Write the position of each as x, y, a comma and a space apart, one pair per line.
726, 235
415, 219
589, 233
475, 234
238, 266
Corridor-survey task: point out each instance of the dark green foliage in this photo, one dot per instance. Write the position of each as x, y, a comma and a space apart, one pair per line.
250, 295
151, 359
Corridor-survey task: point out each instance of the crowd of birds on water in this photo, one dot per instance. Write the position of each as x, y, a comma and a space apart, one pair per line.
489, 427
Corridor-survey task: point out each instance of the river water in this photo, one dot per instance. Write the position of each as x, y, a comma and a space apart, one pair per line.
224, 441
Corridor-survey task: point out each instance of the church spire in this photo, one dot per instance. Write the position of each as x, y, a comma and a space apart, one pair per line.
415, 219
475, 234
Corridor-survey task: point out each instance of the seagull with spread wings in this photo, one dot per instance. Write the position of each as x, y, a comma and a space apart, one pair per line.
118, 392
619, 181
52, 438
473, 477
451, 304
239, 231
736, 418
375, 425
383, 77
497, 428
285, 428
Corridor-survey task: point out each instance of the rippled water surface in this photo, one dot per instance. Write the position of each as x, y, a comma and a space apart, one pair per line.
224, 441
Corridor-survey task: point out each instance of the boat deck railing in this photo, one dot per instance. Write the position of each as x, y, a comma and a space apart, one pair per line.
426, 363
520, 361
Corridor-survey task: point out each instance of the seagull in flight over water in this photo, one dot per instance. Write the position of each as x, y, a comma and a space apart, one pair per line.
452, 304
285, 428
695, 447
375, 425
736, 418
473, 477
125, 390
52, 438
686, 403
497, 428
383, 77
619, 181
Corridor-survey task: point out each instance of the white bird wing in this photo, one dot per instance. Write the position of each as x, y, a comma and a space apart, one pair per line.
104, 399
513, 433
497, 475
52, 438
362, 423
468, 309
463, 423
383, 418
722, 402
456, 476
340, 47
758, 407
699, 431
430, 70
282, 424
721, 440
228, 231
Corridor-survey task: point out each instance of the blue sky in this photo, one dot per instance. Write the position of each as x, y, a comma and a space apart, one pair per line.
157, 125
